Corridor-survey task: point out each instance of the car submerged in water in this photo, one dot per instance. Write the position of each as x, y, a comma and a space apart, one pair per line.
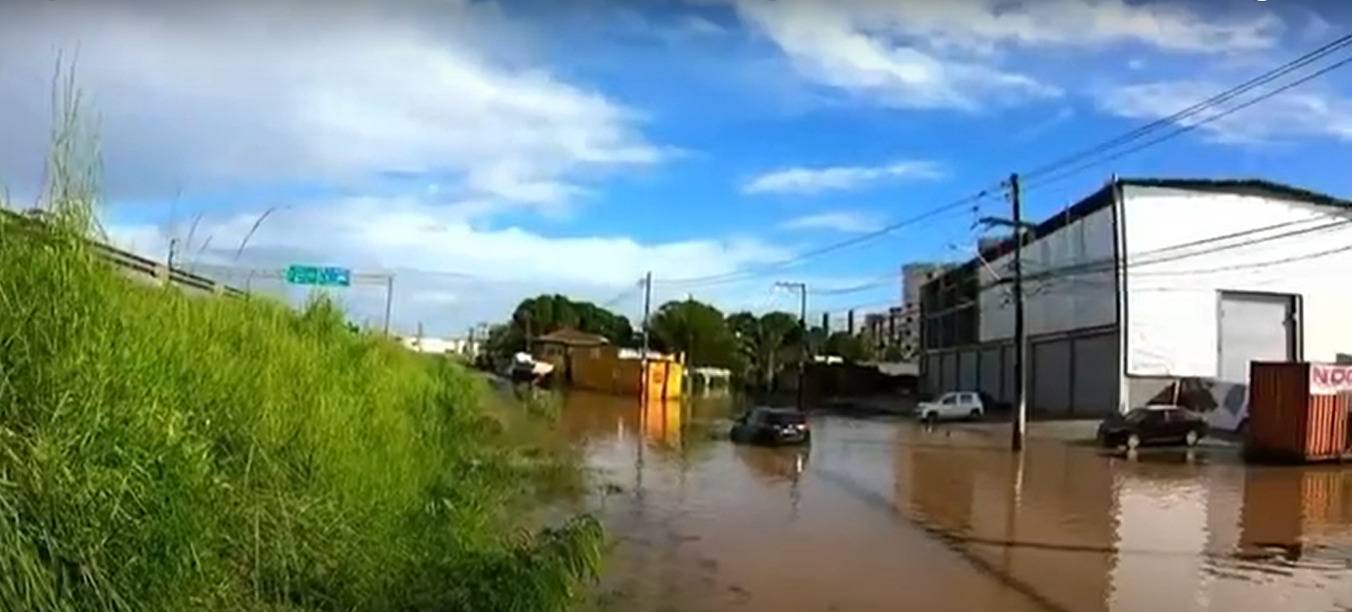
771, 426
1155, 424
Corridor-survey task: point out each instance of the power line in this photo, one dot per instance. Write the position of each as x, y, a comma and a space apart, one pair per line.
882, 281
1109, 264
1219, 98
1191, 126
1091, 152
773, 267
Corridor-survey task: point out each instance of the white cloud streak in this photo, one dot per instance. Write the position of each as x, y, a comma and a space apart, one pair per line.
923, 54
809, 181
1281, 118
839, 221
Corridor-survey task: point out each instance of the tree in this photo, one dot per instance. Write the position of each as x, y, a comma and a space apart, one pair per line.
540, 315
696, 329
849, 347
764, 341
543, 314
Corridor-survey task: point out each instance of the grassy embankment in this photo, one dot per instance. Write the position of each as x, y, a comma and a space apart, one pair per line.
166, 452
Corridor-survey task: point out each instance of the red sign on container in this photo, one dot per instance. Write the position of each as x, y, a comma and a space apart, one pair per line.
1328, 379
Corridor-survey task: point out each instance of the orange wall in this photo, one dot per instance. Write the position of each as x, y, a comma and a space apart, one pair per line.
601, 369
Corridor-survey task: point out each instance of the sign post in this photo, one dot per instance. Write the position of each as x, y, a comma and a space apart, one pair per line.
316, 275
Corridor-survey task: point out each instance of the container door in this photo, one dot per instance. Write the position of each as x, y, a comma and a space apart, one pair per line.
1254, 327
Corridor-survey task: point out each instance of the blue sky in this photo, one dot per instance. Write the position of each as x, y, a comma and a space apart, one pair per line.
487, 151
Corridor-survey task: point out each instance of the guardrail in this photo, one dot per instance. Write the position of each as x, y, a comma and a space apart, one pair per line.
137, 265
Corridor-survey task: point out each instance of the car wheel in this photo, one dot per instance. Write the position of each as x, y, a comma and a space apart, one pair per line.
1133, 442
931, 418
1192, 438
975, 415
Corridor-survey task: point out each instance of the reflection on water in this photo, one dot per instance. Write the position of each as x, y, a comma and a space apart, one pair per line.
882, 515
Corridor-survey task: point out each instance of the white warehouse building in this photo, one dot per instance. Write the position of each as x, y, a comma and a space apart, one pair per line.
1145, 283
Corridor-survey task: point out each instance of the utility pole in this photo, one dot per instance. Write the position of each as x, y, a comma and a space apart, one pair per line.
1020, 416
826, 323
389, 301
802, 329
643, 357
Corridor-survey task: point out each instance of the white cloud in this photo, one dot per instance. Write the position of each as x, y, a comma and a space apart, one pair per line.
807, 181
1290, 115
926, 54
448, 272
834, 46
202, 94
695, 24
839, 221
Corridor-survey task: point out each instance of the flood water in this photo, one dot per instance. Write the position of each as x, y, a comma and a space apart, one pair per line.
881, 514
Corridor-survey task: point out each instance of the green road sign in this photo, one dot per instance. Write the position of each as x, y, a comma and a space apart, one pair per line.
315, 275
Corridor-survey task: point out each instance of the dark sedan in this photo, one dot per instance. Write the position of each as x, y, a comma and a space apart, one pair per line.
1152, 425
764, 425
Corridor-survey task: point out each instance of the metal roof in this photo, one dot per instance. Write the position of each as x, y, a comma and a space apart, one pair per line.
568, 336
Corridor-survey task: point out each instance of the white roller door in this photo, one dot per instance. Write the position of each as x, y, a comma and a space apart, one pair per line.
1254, 327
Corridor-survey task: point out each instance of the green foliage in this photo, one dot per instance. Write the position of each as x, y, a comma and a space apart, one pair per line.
168, 452
543, 314
849, 347
765, 343
698, 330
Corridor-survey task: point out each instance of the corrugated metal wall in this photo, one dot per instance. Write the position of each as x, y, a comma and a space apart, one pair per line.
1050, 378
967, 370
949, 371
1094, 388
991, 373
1071, 377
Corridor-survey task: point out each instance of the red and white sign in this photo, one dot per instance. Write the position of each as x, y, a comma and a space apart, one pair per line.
1329, 379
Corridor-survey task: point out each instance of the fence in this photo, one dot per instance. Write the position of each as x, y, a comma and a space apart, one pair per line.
138, 267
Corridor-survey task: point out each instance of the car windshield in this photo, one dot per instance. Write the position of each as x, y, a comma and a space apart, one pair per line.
1137, 415
784, 418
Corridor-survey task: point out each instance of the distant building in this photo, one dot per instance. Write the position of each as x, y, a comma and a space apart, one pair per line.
441, 346
589, 361
1145, 284
897, 330
913, 278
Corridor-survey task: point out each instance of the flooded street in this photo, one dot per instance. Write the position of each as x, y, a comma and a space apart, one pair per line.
880, 514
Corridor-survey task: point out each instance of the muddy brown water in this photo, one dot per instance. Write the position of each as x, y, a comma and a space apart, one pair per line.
882, 514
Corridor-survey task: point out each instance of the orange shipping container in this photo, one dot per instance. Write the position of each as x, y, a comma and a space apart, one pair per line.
1299, 411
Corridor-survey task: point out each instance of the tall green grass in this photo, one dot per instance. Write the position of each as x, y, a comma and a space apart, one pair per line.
161, 451
166, 452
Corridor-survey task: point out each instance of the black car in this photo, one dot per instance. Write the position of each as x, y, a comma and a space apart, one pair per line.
763, 425
1152, 425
